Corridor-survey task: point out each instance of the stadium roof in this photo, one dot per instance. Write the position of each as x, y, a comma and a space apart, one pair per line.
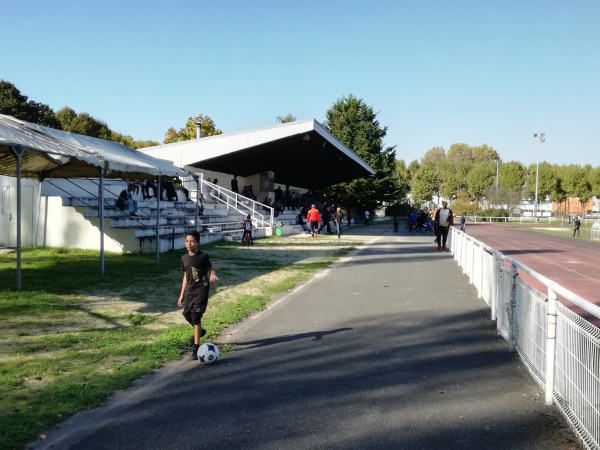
300, 153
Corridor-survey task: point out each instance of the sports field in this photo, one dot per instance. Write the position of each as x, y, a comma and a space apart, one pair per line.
573, 262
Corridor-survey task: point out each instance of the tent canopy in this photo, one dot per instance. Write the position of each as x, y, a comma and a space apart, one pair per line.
47, 152
300, 153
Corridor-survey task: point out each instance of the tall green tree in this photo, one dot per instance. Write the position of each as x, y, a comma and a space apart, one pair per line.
424, 183
13, 103
188, 132
355, 124
480, 178
83, 124
546, 181
512, 174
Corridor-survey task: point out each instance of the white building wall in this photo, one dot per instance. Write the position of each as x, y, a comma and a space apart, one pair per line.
65, 226
8, 211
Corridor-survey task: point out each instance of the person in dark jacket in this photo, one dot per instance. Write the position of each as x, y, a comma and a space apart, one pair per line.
443, 219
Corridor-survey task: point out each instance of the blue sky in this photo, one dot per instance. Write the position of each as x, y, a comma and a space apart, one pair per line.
437, 72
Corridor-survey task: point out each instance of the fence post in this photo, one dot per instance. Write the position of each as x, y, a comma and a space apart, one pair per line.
512, 332
550, 345
496, 272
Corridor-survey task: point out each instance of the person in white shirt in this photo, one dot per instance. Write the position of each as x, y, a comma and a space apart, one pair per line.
367, 217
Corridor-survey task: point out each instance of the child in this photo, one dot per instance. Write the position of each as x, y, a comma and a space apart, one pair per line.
247, 227
198, 273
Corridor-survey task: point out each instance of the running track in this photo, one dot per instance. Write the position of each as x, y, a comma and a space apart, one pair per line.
574, 263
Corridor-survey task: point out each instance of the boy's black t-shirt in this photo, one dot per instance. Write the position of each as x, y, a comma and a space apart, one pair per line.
196, 268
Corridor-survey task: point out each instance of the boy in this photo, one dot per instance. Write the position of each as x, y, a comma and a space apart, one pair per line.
247, 227
198, 273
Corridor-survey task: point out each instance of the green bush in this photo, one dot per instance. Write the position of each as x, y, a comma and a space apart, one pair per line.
495, 213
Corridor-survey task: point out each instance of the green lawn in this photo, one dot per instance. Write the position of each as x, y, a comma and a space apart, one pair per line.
71, 337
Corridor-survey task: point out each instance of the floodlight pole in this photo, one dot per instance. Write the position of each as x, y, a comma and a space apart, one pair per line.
198, 124
541, 138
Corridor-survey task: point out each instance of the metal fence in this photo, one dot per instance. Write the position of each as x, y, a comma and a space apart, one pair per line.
560, 349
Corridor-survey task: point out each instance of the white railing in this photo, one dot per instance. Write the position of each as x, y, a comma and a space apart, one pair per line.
560, 349
240, 203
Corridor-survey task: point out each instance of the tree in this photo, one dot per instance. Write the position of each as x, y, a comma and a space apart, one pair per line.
512, 175
424, 183
484, 153
595, 181
66, 116
13, 103
504, 197
355, 124
286, 119
460, 153
434, 156
188, 132
480, 178
546, 181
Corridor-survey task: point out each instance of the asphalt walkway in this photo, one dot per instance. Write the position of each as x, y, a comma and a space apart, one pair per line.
388, 349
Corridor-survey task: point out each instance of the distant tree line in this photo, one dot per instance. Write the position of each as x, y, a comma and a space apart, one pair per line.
464, 174
469, 175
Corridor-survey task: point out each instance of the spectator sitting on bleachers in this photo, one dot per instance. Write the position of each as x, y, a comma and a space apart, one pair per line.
125, 199
267, 203
279, 207
300, 221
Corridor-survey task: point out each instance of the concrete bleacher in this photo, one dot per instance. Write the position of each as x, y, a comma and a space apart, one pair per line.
222, 217
138, 233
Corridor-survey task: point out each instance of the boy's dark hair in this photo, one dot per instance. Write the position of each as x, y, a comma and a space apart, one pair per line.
194, 234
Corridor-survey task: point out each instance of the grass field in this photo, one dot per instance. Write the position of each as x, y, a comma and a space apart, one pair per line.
71, 337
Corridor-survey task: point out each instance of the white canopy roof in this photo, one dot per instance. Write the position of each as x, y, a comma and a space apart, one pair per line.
55, 153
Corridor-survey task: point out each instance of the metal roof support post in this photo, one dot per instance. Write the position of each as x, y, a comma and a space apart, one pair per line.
101, 216
197, 180
18, 152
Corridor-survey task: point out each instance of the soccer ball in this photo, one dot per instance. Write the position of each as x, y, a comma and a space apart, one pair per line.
208, 353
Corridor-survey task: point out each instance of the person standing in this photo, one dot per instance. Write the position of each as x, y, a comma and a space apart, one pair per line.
198, 273
338, 218
234, 185
247, 227
313, 218
367, 218
349, 217
576, 225
463, 221
326, 218
443, 219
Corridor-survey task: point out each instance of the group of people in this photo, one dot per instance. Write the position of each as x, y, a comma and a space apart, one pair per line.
166, 190
317, 221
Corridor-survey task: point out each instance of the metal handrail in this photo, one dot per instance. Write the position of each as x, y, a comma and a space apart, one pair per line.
243, 205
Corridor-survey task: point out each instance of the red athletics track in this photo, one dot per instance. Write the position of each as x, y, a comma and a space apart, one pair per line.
572, 262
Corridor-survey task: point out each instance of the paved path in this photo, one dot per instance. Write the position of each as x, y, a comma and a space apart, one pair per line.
389, 349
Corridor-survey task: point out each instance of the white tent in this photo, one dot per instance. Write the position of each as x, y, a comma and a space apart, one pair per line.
36, 151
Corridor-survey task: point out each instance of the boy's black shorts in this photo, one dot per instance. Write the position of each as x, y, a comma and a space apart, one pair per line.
194, 310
